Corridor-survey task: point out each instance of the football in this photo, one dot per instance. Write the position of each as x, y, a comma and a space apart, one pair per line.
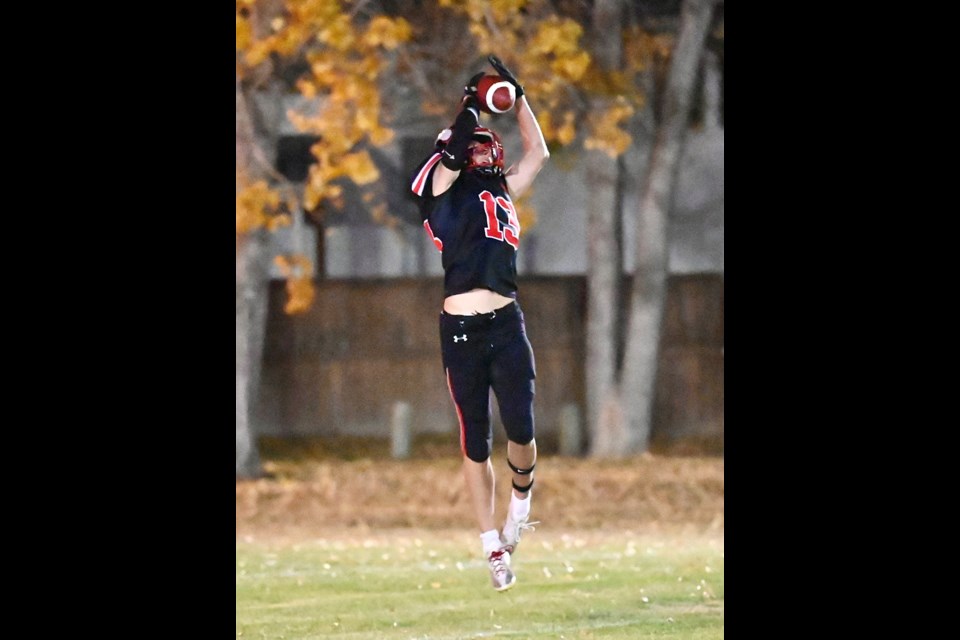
496, 95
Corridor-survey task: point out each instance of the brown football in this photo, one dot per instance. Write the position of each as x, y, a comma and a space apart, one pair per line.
496, 94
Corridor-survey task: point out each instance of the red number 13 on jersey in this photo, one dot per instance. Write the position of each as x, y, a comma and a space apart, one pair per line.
510, 232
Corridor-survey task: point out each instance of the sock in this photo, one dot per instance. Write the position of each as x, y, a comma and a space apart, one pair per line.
491, 541
519, 507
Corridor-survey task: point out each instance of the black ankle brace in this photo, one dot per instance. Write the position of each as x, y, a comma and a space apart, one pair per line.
523, 489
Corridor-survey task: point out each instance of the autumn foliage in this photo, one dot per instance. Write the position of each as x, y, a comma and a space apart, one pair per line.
344, 58
344, 50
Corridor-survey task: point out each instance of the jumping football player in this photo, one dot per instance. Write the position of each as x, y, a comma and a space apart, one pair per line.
465, 197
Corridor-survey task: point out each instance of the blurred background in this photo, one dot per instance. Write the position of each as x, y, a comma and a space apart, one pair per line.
621, 258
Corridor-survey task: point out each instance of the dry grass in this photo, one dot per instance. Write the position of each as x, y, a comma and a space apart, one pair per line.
324, 485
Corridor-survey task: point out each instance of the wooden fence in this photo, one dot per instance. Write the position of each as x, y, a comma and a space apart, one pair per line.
368, 346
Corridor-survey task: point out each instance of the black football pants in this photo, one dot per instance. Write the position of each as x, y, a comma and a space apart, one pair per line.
483, 352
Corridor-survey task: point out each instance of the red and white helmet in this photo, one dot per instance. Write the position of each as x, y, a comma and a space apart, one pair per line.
489, 140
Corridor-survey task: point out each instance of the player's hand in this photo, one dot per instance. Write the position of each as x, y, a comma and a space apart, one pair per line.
470, 89
470, 99
505, 73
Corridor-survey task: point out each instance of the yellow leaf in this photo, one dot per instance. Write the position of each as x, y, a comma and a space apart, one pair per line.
387, 33
526, 212
298, 271
381, 135
339, 34
307, 89
311, 197
359, 167
254, 202
244, 33
366, 119
555, 36
257, 53
275, 222
568, 132
572, 67
504, 10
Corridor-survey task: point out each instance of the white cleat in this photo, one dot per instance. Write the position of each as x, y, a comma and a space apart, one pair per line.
513, 529
500, 574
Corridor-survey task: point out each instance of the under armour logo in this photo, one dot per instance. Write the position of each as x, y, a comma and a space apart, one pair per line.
459, 338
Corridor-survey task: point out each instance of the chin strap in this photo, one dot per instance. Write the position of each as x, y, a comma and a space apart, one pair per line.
487, 171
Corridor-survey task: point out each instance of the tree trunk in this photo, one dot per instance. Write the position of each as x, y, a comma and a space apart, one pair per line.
603, 290
251, 322
648, 290
251, 299
604, 256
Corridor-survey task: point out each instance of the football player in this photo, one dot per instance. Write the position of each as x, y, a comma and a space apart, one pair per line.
465, 195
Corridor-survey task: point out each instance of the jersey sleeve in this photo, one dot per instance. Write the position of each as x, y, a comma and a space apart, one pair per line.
422, 183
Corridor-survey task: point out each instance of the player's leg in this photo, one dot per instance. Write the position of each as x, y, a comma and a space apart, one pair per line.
518, 511
512, 378
469, 384
522, 460
480, 481
478, 475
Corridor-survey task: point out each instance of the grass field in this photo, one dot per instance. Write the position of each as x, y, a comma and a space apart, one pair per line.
355, 547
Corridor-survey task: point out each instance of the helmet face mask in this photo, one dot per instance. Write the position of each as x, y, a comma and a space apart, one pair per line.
487, 156
488, 141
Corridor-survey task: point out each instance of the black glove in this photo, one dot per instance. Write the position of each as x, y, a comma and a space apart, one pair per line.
505, 73
470, 100
471, 87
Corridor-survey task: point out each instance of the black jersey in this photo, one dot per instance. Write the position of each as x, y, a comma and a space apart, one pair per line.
475, 227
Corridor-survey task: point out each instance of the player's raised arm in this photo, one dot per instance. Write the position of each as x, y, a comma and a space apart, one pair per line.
535, 152
454, 151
